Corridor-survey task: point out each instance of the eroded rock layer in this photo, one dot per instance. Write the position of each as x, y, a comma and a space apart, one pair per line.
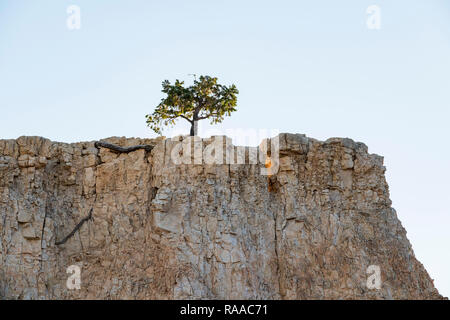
160, 230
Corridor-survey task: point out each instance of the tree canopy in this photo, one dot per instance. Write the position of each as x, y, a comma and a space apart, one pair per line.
205, 99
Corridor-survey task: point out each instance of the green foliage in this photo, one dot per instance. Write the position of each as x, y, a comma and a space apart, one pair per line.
205, 99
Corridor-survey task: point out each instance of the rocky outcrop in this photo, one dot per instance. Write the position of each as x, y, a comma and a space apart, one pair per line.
141, 226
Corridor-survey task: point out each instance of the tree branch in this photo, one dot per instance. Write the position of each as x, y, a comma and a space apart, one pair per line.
119, 149
78, 226
186, 118
208, 116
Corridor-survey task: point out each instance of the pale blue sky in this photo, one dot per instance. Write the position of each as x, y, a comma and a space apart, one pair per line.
310, 67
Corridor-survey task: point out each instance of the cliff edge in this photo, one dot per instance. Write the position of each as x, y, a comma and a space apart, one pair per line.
141, 225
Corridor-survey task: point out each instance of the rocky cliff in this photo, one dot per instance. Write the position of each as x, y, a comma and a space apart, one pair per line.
141, 226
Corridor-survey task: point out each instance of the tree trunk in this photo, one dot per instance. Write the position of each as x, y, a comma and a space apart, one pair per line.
194, 128
119, 149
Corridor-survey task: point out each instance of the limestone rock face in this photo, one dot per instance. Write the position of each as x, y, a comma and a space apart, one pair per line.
166, 230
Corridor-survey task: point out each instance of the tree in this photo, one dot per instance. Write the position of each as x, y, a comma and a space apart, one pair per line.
205, 99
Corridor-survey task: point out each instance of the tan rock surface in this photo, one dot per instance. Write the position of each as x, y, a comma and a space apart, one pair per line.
199, 231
